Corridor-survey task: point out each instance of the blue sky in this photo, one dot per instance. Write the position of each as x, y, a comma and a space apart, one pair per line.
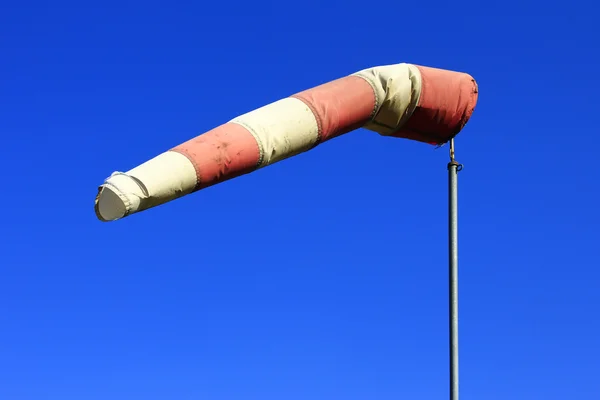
323, 276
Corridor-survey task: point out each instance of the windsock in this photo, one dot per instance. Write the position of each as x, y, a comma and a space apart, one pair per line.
402, 100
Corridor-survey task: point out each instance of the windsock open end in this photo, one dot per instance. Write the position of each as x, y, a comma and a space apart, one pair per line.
161, 179
109, 205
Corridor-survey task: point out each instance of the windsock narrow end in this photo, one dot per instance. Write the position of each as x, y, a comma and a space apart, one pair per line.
109, 206
164, 178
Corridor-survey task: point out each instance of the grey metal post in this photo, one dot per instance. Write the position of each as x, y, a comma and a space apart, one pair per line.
453, 169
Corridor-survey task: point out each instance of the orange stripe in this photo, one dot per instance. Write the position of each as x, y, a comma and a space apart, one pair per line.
446, 103
220, 154
339, 106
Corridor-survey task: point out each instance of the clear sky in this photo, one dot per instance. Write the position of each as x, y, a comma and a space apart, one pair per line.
323, 276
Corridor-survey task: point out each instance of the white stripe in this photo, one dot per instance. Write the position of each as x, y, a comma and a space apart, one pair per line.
397, 91
282, 129
166, 177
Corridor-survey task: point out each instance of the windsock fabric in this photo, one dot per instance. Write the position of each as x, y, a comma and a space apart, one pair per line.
402, 100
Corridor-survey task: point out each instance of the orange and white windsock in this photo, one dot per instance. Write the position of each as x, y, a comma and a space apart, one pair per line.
402, 100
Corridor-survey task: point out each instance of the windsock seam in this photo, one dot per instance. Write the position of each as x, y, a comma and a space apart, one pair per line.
377, 99
138, 182
316, 115
261, 148
194, 163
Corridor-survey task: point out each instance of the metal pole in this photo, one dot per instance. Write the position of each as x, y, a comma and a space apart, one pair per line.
453, 168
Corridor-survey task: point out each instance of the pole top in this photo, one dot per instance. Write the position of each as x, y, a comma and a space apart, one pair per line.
453, 162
